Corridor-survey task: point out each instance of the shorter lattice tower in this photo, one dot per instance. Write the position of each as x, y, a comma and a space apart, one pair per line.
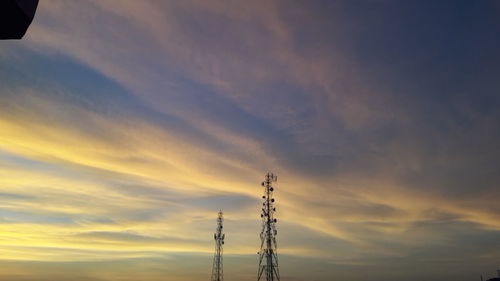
268, 261
217, 270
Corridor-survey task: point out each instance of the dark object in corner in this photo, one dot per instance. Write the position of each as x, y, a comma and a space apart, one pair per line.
15, 17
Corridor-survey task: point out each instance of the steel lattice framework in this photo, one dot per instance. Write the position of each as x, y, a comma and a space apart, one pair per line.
217, 269
268, 261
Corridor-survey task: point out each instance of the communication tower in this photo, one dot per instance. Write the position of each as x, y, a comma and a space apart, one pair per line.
268, 255
217, 270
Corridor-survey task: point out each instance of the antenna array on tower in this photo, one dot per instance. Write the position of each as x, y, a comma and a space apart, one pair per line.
268, 261
217, 269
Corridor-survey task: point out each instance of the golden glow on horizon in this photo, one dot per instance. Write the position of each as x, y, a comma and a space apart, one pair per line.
163, 166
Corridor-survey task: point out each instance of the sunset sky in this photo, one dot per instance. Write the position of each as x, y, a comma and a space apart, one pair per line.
126, 125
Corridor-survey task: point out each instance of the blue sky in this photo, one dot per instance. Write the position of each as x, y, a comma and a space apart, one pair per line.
124, 128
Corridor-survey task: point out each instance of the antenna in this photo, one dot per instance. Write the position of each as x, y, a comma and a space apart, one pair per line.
217, 270
268, 260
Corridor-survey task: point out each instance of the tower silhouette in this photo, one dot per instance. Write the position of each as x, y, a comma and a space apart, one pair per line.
217, 270
268, 261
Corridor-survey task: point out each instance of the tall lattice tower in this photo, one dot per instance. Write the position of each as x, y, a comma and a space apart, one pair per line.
268, 261
217, 270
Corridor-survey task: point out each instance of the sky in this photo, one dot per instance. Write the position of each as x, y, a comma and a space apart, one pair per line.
126, 125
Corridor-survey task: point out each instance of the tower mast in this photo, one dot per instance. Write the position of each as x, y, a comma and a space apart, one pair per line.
268, 261
217, 270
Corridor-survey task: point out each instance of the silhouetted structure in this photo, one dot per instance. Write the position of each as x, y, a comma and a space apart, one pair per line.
217, 269
15, 17
268, 261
